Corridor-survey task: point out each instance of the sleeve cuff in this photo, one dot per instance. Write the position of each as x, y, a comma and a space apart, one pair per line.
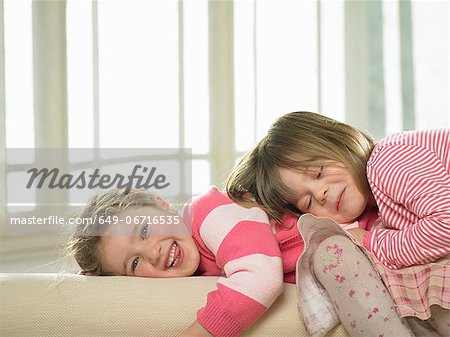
217, 323
228, 313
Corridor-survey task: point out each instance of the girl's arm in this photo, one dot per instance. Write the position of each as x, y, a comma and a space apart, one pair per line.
195, 330
412, 187
247, 252
358, 234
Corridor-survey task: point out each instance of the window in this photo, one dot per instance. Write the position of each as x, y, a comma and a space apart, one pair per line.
212, 75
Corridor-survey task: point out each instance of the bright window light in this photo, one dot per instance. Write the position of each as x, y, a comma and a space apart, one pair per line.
80, 74
244, 75
392, 67
286, 59
196, 80
332, 46
138, 73
430, 20
201, 177
18, 74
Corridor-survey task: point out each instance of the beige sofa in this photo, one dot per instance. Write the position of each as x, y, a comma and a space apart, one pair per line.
75, 305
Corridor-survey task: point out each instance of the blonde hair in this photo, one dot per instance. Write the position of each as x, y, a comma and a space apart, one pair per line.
297, 141
84, 239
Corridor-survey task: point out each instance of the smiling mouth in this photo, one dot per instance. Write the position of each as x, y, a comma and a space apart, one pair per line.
340, 199
173, 258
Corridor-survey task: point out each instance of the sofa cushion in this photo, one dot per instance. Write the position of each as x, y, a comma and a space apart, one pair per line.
76, 305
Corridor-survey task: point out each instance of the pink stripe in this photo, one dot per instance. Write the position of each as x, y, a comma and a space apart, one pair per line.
206, 202
247, 238
218, 224
257, 276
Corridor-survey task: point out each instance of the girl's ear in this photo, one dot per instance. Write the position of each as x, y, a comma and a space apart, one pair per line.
162, 203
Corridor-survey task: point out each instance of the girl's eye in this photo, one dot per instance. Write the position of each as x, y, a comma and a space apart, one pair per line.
320, 172
134, 264
144, 231
143, 236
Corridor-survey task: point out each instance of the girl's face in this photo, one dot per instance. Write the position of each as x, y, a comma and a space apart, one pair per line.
327, 190
148, 242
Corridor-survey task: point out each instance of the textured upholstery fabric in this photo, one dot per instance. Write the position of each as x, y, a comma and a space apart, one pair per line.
75, 305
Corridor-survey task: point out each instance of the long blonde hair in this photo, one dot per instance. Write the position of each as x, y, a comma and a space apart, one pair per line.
297, 141
84, 239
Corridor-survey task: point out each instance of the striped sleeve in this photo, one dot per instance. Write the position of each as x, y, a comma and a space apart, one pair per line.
411, 184
247, 252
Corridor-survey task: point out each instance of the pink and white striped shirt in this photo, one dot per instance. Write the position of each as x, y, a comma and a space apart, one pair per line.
252, 256
409, 174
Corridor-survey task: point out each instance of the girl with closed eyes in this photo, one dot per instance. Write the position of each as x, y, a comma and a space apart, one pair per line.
392, 197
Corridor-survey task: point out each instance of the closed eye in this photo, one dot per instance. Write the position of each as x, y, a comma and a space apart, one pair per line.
309, 203
320, 172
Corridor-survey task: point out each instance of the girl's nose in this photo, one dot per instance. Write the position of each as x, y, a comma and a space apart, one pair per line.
153, 251
321, 194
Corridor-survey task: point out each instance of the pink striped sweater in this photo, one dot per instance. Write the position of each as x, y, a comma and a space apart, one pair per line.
252, 256
409, 174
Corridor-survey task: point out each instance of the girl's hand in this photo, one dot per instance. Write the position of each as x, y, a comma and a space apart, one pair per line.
195, 330
358, 234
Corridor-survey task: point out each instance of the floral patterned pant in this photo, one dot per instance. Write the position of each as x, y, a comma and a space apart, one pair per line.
362, 302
